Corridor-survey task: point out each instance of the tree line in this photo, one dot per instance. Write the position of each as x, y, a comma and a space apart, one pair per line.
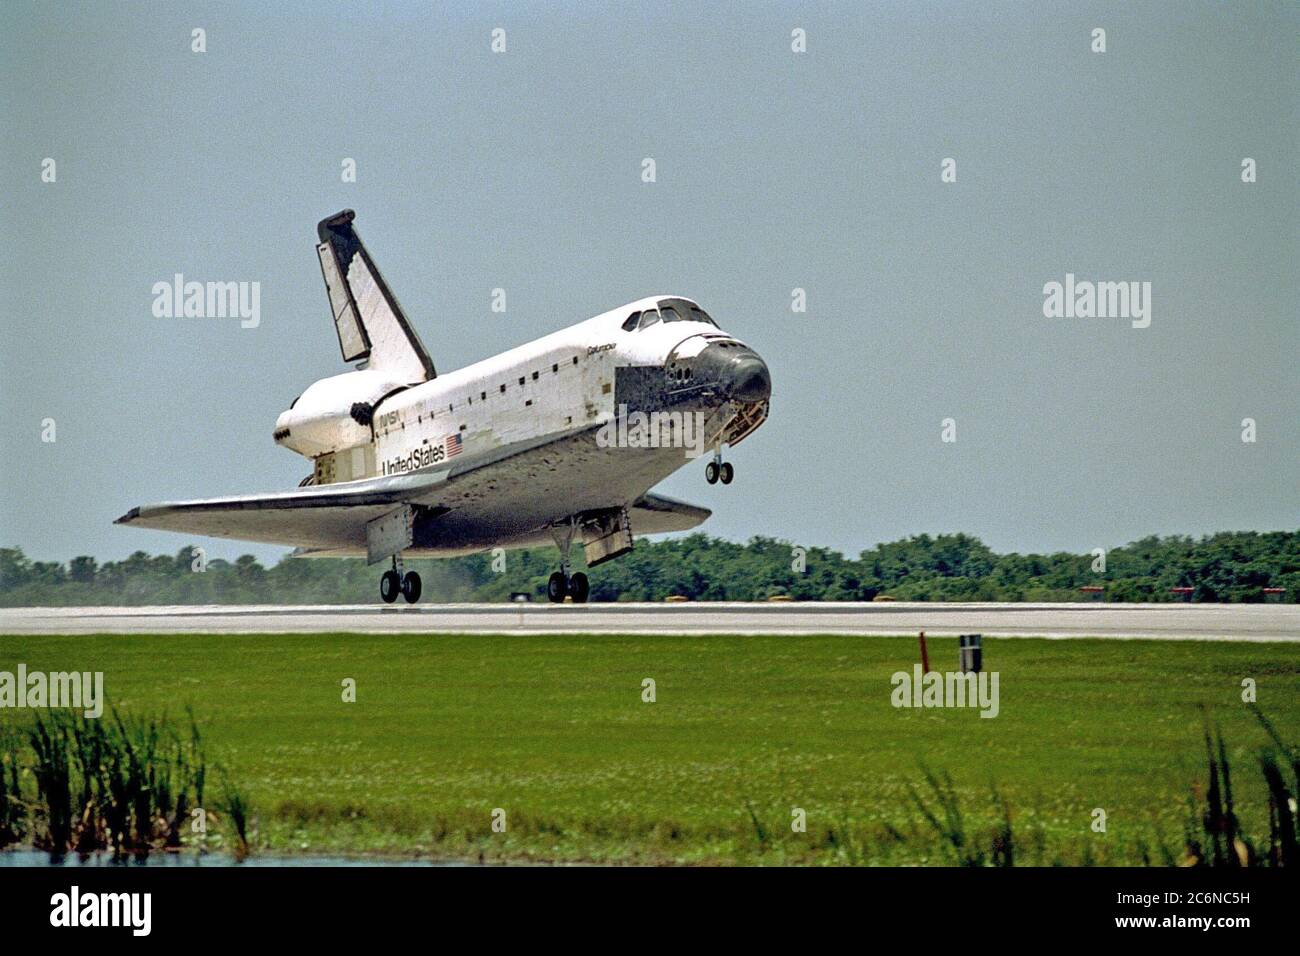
1232, 566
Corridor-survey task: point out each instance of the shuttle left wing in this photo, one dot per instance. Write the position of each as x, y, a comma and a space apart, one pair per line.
495, 494
315, 516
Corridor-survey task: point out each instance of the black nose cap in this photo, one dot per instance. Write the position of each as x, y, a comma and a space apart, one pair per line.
750, 380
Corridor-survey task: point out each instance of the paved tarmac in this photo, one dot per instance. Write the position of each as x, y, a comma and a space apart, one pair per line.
1214, 622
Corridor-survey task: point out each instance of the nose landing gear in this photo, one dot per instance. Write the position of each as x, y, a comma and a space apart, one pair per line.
396, 582
719, 470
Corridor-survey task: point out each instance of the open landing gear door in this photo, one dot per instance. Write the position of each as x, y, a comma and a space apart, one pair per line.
391, 534
605, 536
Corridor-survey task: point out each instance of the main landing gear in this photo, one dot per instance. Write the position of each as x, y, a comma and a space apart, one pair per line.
575, 586
562, 584
396, 582
719, 470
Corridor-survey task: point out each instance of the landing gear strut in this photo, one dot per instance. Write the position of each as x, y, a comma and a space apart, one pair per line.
562, 584
719, 469
396, 582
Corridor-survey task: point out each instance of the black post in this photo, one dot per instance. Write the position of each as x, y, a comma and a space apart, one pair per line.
970, 655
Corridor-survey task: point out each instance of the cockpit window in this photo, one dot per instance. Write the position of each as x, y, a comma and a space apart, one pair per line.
683, 311
670, 310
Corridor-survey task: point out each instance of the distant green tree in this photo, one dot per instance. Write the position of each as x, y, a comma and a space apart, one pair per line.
82, 569
1229, 566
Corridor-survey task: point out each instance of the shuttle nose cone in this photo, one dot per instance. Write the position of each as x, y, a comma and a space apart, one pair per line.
750, 380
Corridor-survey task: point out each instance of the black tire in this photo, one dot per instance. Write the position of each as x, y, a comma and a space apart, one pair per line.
579, 588
390, 585
727, 473
557, 588
711, 472
411, 587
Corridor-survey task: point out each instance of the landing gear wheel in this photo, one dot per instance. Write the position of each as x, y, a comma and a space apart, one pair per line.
557, 588
579, 588
411, 587
389, 586
711, 473
727, 473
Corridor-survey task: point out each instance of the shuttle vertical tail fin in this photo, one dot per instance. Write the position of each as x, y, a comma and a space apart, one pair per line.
370, 323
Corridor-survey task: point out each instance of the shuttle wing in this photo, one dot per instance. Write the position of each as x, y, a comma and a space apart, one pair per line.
509, 497
317, 516
656, 514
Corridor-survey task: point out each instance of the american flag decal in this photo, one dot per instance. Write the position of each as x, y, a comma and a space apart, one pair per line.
453, 444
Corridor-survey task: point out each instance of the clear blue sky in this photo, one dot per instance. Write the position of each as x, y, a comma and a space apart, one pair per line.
776, 170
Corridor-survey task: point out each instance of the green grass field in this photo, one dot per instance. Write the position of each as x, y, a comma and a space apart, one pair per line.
554, 731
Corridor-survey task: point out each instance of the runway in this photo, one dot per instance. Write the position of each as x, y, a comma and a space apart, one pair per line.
1208, 622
